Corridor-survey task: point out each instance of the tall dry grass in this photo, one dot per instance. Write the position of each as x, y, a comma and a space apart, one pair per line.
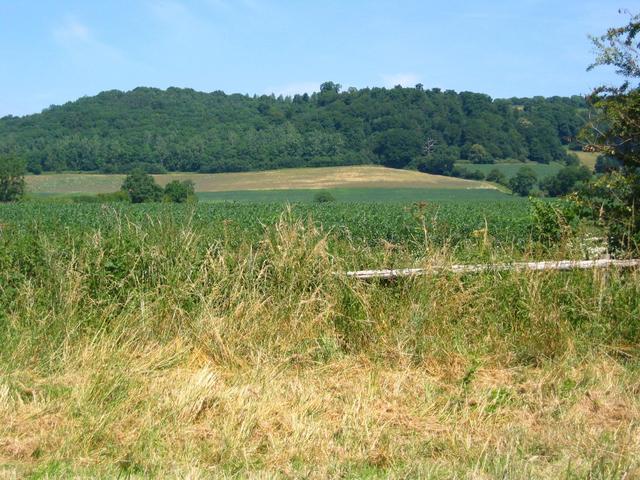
158, 352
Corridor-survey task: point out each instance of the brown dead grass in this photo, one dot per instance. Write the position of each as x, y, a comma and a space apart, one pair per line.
286, 370
294, 178
316, 421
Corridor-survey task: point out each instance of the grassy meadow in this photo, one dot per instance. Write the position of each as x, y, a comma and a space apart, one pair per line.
588, 159
511, 169
220, 341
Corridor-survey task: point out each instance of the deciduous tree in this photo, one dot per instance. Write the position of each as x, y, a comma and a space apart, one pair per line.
180, 192
615, 132
523, 182
141, 187
12, 183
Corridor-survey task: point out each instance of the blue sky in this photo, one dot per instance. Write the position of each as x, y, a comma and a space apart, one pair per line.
53, 51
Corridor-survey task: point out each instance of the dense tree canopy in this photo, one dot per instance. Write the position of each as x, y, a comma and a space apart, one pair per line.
185, 130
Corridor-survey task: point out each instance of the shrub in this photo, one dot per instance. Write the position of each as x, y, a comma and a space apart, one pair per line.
141, 187
478, 154
180, 192
323, 197
118, 196
610, 201
565, 181
553, 221
12, 184
607, 164
523, 182
497, 176
462, 172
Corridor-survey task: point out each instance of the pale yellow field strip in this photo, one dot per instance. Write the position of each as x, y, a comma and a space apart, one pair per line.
287, 179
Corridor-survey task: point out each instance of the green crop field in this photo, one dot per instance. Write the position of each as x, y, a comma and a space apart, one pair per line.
447, 220
511, 169
360, 195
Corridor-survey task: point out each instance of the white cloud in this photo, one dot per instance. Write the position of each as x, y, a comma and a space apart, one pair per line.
252, 5
72, 30
292, 89
78, 38
177, 15
171, 11
404, 79
179, 20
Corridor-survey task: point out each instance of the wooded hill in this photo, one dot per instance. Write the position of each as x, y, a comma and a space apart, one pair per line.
184, 130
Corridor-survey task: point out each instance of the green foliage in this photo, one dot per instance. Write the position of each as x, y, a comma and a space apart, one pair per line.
463, 172
184, 130
396, 148
607, 164
611, 201
478, 154
12, 184
439, 162
119, 196
553, 221
180, 192
572, 160
141, 187
566, 181
511, 168
497, 176
447, 221
323, 197
614, 198
523, 182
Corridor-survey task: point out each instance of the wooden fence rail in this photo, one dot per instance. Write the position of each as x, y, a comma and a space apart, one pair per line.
495, 267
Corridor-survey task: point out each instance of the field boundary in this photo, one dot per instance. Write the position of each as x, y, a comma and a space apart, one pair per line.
494, 267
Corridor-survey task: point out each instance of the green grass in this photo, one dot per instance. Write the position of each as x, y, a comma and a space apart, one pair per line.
511, 169
383, 195
588, 159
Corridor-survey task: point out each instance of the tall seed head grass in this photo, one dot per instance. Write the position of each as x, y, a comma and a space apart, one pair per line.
159, 351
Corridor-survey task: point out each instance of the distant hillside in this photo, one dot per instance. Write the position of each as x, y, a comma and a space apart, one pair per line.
184, 130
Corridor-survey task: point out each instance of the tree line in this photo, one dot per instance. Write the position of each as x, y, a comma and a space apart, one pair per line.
185, 130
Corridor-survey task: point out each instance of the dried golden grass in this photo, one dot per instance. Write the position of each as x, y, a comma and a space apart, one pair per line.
317, 421
262, 363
